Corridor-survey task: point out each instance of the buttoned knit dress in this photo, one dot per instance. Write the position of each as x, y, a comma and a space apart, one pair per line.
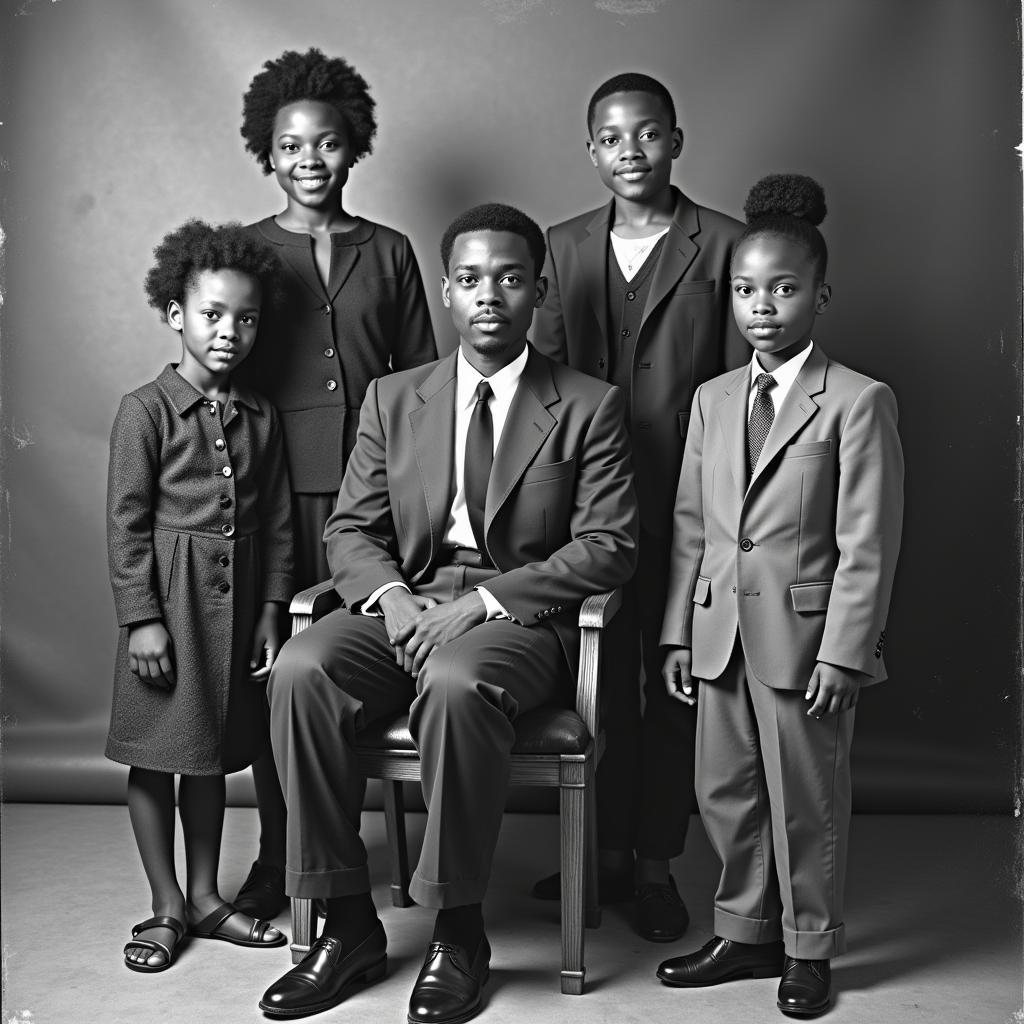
319, 350
198, 536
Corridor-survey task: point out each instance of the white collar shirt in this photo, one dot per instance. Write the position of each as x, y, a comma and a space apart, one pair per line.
785, 376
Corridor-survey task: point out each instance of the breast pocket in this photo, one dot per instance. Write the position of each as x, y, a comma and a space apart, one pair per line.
687, 288
549, 471
796, 451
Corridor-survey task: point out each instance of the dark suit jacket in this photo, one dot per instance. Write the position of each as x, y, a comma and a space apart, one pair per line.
687, 333
316, 355
560, 520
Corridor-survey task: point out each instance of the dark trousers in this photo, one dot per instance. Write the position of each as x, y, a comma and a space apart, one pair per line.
340, 674
645, 780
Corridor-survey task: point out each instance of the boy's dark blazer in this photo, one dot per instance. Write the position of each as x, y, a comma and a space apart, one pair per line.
560, 519
800, 561
687, 334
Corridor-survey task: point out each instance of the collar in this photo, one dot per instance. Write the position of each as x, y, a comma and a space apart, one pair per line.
786, 373
273, 232
184, 396
503, 383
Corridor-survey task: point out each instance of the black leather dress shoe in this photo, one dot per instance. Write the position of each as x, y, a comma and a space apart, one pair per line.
449, 988
806, 987
326, 975
723, 960
612, 887
262, 893
661, 914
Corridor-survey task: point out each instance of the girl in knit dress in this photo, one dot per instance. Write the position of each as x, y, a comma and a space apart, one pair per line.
199, 544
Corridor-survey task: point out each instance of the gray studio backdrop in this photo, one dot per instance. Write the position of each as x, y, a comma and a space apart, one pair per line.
122, 120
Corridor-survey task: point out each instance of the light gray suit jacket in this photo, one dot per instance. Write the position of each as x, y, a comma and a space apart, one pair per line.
800, 559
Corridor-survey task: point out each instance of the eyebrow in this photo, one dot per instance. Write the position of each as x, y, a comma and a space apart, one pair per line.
616, 128
476, 267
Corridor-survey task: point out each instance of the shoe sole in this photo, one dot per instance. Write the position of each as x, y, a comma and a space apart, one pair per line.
790, 1011
368, 977
462, 1017
756, 972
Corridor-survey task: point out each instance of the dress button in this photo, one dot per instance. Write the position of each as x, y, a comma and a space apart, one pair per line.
631, 296
212, 408
226, 471
326, 309
227, 529
625, 332
600, 363
329, 353
225, 501
332, 385
746, 544
224, 560
219, 444
224, 586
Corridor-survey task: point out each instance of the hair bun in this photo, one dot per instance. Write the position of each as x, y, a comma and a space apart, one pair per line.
792, 194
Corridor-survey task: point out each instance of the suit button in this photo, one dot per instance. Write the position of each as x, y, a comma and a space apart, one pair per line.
625, 332
226, 471
746, 544
227, 529
225, 501
329, 353
219, 444
631, 296
326, 309
600, 364
332, 385
224, 560
224, 586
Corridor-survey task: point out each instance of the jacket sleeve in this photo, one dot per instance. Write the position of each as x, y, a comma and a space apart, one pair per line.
869, 525
131, 494
687, 550
360, 535
414, 342
548, 334
276, 542
603, 525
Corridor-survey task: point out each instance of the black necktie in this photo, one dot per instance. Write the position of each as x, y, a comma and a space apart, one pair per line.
477, 467
762, 415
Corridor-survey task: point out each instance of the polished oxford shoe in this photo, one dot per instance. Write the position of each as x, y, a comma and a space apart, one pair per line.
723, 960
661, 914
326, 975
806, 987
449, 989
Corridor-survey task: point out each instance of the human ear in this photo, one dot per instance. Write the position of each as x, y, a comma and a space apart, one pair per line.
175, 314
824, 298
542, 292
446, 295
592, 150
677, 141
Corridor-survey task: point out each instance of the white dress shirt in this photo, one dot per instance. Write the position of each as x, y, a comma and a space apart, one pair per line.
458, 532
784, 376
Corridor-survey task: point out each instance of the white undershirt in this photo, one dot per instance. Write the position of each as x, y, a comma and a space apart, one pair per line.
630, 253
785, 376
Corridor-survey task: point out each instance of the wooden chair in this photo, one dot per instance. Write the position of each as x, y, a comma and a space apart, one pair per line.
553, 747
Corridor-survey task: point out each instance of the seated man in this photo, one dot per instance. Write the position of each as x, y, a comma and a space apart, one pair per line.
489, 493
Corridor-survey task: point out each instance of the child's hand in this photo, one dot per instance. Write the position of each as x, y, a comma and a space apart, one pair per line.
151, 654
833, 690
676, 673
266, 642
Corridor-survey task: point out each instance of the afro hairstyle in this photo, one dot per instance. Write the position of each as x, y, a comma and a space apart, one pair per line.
788, 206
298, 76
496, 217
196, 246
630, 82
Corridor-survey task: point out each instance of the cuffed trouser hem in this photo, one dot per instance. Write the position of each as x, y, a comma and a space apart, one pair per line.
751, 930
815, 945
442, 895
326, 885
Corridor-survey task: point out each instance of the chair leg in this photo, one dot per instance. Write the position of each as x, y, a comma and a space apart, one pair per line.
398, 847
572, 802
592, 907
303, 919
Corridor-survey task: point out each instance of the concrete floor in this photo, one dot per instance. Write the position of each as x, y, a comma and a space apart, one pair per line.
933, 918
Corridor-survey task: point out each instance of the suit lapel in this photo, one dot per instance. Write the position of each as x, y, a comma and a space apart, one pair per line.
433, 432
526, 428
343, 259
732, 418
796, 410
593, 256
677, 255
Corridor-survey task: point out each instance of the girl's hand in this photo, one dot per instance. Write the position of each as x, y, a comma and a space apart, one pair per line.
266, 642
151, 654
833, 690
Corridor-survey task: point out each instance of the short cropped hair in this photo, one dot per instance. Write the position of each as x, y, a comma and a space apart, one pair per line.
631, 82
496, 217
196, 246
298, 76
788, 206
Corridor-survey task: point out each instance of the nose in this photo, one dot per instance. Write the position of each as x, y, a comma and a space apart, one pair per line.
310, 157
228, 329
487, 294
762, 303
630, 147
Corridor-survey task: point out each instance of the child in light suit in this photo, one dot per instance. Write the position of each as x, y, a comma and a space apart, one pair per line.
787, 529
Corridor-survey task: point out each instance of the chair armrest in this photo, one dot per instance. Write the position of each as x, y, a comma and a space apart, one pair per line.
597, 611
311, 604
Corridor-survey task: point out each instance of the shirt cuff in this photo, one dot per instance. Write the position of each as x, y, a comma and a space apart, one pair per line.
495, 609
367, 607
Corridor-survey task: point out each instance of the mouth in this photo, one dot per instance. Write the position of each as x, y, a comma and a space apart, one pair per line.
311, 184
224, 353
634, 173
764, 325
485, 319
